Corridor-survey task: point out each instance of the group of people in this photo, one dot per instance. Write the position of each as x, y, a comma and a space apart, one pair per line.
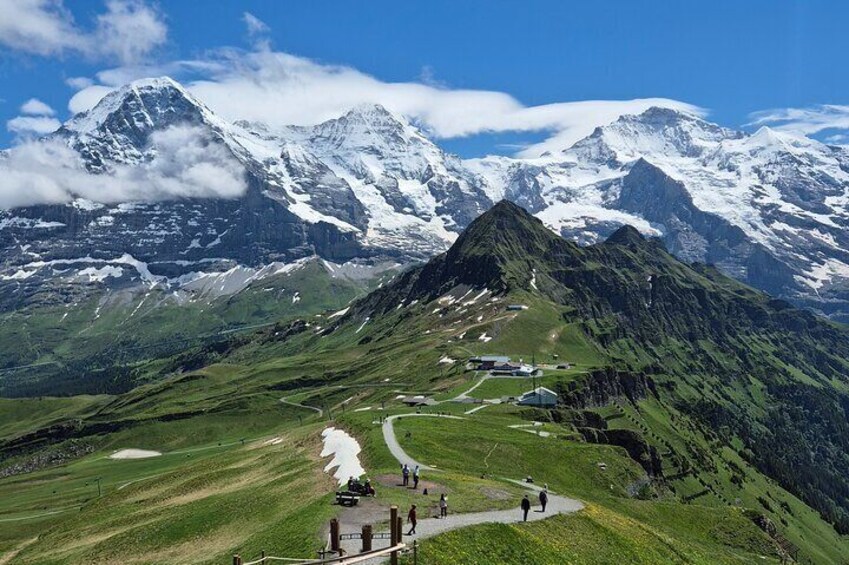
365, 489
405, 476
543, 501
412, 516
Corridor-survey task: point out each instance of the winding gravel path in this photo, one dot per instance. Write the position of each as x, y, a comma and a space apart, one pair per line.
396, 449
429, 527
296, 405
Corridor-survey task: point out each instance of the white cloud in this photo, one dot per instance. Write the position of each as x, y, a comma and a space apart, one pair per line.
838, 139
187, 165
126, 32
808, 121
129, 30
28, 126
284, 89
255, 25
78, 83
87, 98
35, 107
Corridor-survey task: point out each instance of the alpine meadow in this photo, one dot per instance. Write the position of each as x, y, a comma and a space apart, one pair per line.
361, 304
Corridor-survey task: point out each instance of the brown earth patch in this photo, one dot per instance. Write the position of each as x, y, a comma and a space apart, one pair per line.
395, 481
496, 493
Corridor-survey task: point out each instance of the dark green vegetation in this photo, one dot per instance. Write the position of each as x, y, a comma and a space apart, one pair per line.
718, 414
104, 343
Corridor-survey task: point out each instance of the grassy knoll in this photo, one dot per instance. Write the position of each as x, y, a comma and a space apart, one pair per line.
613, 527
197, 506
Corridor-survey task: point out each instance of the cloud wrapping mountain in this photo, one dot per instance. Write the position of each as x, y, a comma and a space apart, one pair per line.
183, 163
284, 89
770, 208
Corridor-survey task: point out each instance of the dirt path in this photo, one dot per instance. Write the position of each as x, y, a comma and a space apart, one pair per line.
429, 527
489, 376
396, 449
296, 405
7, 557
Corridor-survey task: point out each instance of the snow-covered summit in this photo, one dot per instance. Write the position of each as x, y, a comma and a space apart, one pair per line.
769, 208
140, 106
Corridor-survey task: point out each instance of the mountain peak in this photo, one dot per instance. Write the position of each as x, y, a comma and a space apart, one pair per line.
371, 112
626, 235
144, 104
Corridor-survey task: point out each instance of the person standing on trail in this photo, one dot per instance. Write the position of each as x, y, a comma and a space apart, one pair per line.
543, 497
443, 506
416, 477
411, 518
526, 507
405, 474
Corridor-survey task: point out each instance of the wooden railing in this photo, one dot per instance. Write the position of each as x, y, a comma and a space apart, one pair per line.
338, 560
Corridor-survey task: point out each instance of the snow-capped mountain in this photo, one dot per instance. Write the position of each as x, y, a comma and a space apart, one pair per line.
768, 208
206, 195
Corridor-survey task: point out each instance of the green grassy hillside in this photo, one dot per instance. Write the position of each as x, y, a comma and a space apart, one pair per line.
100, 345
700, 421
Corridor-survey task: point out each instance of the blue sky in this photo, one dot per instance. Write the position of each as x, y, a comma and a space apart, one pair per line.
785, 59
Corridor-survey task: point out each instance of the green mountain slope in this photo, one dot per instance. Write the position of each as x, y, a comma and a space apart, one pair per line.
719, 414
100, 344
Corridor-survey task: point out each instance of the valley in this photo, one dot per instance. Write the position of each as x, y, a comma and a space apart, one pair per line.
668, 428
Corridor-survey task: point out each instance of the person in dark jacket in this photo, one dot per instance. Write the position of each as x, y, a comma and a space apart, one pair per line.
526, 507
543, 497
405, 474
411, 518
443, 506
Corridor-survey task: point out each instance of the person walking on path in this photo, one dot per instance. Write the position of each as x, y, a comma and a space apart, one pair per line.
543, 497
416, 477
411, 518
526, 507
443, 506
405, 473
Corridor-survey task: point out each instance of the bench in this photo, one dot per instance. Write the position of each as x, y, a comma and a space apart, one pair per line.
347, 498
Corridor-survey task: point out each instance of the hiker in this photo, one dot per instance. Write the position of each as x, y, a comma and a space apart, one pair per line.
405, 473
369, 489
350, 484
416, 477
526, 507
411, 518
443, 506
543, 497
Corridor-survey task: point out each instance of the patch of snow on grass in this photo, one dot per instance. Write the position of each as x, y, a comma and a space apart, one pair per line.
447, 360
484, 338
341, 312
345, 450
134, 454
359, 329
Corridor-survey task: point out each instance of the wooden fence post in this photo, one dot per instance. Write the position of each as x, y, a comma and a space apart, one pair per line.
400, 530
394, 533
367, 537
237, 559
334, 536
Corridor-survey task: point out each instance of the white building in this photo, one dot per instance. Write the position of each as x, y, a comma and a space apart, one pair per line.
540, 397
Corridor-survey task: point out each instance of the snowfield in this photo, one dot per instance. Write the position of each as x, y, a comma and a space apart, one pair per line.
345, 451
134, 454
